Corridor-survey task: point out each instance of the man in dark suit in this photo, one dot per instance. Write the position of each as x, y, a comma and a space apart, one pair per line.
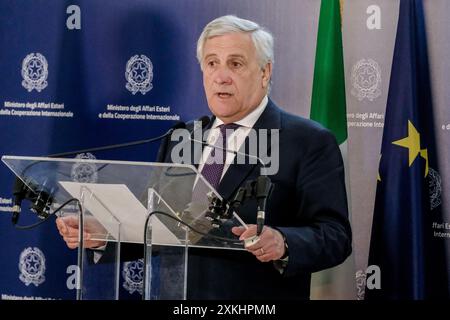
306, 225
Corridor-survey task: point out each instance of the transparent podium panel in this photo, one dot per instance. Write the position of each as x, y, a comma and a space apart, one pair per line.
167, 253
100, 281
159, 208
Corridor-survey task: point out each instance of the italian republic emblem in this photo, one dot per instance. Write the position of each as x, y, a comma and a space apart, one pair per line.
139, 74
34, 72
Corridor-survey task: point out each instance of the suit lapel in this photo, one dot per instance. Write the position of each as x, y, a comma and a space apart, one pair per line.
238, 173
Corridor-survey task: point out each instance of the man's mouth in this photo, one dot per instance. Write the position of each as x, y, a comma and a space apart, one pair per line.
224, 95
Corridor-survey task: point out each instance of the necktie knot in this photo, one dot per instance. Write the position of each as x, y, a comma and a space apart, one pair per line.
227, 129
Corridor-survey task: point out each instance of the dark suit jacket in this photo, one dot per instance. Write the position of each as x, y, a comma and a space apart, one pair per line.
308, 205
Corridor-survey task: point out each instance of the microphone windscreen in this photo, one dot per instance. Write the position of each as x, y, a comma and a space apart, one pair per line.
205, 121
179, 125
18, 185
18, 190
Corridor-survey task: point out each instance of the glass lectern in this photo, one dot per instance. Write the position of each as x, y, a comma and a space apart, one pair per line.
162, 208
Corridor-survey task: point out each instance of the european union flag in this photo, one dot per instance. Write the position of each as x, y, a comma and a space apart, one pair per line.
408, 230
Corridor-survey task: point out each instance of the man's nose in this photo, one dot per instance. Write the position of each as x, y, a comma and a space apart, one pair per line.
222, 76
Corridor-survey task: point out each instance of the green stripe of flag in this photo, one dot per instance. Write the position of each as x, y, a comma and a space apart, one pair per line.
328, 108
328, 94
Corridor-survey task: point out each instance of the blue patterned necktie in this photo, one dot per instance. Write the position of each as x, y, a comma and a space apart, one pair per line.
213, 167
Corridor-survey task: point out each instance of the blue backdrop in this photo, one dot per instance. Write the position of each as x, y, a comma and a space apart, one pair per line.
86, 73
63, 75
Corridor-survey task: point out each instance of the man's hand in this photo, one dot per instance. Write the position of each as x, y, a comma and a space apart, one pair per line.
270, 245
68, 229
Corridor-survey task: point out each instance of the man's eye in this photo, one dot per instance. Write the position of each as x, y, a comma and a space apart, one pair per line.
236, 64
211, 63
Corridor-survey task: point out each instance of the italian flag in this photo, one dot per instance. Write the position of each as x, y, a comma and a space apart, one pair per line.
328, 108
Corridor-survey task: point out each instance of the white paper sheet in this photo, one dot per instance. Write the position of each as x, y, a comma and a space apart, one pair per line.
115, 202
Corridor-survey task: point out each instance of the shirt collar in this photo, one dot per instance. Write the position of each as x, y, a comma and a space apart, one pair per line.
249, 120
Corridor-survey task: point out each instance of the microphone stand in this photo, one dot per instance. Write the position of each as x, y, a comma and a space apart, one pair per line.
179, 125
259, 189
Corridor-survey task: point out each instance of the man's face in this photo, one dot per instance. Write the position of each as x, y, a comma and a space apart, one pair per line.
233, 80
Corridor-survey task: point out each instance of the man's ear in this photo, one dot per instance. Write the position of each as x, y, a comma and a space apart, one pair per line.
266, 74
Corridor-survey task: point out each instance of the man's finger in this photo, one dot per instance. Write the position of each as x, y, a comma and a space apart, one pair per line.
71, 221
61, 225
74, 237
250, 232
70, 233
238, 230
73, 243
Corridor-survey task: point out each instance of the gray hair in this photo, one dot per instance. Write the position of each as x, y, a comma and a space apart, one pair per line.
262, 39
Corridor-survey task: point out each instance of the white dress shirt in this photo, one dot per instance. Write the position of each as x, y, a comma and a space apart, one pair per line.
235, 140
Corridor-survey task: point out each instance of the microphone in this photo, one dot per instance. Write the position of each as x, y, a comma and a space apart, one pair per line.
260, 189
263, 189
42, 199
19, 193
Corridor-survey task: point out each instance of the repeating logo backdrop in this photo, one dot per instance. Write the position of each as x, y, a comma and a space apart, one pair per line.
79, 74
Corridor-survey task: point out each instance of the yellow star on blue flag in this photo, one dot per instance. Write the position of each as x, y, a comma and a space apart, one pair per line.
412, 143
